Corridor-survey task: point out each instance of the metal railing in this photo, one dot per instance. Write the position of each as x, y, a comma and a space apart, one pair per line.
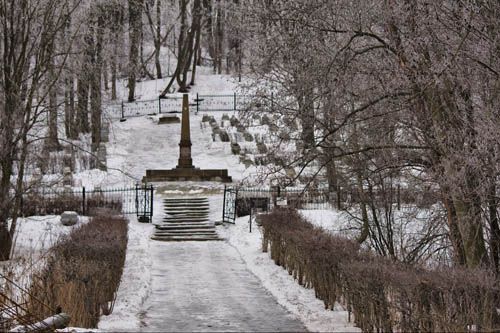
172, 103
239, 201
136, 200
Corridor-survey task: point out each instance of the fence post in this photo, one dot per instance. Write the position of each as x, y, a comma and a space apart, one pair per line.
145, 199
83, 199
152, 201
339, 200
224, 204
123, 114
234, 102
235, 200
137, 199
159, 104
272, 101
197, 103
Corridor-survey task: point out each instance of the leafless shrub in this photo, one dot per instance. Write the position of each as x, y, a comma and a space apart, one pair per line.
84, 271
36, 204
382, 294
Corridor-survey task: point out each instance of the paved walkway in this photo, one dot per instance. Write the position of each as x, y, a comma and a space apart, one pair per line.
205, 286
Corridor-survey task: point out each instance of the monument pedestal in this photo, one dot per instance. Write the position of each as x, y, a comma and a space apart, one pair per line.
185, 170
187, 174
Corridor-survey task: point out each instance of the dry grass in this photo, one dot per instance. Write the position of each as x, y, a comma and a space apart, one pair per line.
383, 295
83, 271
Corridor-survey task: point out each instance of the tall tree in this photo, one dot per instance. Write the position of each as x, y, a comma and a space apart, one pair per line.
28, 30
135, 28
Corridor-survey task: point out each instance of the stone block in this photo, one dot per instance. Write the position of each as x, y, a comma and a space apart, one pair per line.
248, 136
68, 177
169, 120
234, 121
69, 218
235, 148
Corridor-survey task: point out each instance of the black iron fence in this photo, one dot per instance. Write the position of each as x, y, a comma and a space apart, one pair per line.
239, 201
173, 103
136, 200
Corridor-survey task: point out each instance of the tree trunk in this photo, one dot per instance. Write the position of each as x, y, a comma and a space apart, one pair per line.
494, 229
95, 89
158, 40
6, 161
455, 237
105, 75
220, 39
306, 113
469, 223
53, 141
69, 103
135, 21
197, 48
113, 77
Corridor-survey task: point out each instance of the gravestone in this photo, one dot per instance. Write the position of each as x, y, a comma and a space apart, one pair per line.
101, 156
69, 218
68, 177
105, 132
169, 119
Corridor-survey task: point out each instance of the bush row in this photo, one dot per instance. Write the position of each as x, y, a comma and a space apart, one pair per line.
381, 294
83, 272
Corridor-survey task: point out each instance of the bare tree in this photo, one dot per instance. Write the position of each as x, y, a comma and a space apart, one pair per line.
135, 28
415, 79
28, 30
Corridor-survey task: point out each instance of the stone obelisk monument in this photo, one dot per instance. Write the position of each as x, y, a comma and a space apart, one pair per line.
185, 170
185, 160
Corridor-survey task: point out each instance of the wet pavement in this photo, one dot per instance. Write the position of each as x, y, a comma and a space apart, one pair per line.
205, 286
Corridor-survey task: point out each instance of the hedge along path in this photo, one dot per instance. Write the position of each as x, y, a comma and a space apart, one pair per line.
381, 294
83, 271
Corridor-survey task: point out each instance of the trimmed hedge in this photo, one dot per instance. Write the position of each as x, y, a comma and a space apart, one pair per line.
83, 272
382, 295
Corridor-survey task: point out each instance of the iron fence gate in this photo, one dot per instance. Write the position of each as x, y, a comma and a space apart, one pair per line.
229, 205
144, 202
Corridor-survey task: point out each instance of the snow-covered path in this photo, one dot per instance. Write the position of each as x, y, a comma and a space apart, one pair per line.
205, 286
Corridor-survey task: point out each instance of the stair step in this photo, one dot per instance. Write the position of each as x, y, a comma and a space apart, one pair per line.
187, 209
186, 232
186, 203
184, 225
184, 209
195, 214
186, 213
186, 219
185, 200
185, 216
185, 238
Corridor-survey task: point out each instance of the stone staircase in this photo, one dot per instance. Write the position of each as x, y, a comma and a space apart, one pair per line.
186, 219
